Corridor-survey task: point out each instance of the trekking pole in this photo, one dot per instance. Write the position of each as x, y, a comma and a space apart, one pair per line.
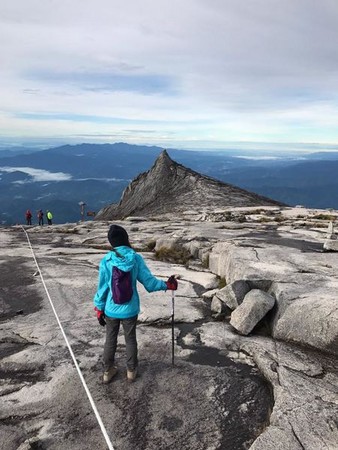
173, 279
172, 327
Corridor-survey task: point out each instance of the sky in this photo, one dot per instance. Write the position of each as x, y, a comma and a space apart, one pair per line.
174, 73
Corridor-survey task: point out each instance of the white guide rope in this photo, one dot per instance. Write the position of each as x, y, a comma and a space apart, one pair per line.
103, 429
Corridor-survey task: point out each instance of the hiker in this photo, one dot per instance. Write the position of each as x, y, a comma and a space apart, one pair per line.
40, 217
49, 217
28, 217
117, 301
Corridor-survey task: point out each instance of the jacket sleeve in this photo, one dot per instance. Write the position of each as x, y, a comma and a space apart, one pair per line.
148, 280
100, 297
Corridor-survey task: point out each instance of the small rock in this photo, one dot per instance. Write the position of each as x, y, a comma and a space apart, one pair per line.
210, 294
233, 294
217, 306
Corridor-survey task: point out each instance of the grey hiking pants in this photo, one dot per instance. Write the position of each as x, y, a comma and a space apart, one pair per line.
112, 331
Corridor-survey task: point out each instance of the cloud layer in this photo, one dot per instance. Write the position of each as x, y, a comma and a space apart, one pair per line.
38, 174
188, 73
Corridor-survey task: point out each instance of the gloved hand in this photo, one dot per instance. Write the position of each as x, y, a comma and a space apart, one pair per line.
100, 316
171, 283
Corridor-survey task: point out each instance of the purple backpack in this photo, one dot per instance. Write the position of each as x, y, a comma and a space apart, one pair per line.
121, 286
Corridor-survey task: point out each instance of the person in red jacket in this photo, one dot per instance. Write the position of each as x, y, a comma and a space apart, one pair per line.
28, 217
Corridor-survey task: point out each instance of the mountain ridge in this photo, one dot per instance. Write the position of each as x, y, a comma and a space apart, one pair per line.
98, 173
170, 185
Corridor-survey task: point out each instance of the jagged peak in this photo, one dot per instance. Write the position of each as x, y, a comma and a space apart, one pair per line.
169, 184
163, 159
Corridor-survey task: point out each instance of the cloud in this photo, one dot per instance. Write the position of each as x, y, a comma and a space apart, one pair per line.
195, 71
38, 174
105, 82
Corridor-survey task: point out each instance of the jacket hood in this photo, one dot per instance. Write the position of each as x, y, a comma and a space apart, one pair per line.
126, 259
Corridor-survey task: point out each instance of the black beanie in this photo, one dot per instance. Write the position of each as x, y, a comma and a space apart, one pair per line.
117, 236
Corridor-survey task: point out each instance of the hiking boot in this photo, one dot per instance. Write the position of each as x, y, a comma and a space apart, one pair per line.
131, 375
108, 376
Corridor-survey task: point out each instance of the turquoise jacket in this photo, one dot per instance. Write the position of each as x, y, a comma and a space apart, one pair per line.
128, 261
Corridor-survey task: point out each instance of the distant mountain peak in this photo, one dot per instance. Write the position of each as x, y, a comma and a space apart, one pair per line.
164, 158
169, 187
163, 165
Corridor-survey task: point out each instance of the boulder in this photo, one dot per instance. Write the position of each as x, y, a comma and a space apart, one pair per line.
253, 308
258, 266
233, 294
219, 307
310, 320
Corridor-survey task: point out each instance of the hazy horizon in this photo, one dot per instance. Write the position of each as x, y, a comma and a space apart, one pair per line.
247, 148
193, 74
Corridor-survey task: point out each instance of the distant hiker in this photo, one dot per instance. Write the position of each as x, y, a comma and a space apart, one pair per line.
28, 217
117, 301
49, 217
40, 217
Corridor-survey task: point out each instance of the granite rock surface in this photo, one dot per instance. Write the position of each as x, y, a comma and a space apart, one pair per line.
275, 388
